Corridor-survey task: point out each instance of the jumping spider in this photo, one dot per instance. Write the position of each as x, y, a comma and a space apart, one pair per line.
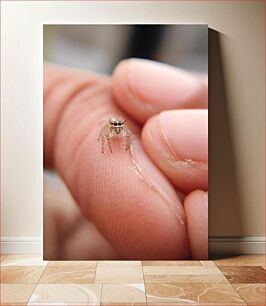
115, 127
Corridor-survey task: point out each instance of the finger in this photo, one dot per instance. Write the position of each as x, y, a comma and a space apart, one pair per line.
141, 217
143, 88
177, 142
196, 209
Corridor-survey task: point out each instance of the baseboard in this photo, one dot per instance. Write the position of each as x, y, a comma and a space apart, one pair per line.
21, 245
217, 245
237, 245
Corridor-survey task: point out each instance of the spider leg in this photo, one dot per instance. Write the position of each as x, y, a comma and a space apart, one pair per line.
102, 136
127, 138
103, 140
109, 141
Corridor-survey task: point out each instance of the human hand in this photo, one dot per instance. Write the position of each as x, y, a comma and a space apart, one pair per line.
150, 202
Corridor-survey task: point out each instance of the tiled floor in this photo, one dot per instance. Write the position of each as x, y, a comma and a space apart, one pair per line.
28, 280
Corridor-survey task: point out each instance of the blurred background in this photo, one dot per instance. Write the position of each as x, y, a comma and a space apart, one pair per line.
100, 47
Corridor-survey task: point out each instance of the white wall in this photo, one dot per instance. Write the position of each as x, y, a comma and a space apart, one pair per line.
242, 24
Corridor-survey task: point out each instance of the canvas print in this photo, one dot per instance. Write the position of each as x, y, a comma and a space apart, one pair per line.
125, 119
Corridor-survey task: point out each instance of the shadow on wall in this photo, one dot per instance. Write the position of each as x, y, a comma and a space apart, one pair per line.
225, 217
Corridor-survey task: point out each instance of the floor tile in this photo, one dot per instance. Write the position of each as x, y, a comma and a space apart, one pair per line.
24, 260
194, 304
251, 293
120, 263
2, 257
69, 275
14, 304
250, 304
21, 275
244, 274
192, 293
73, 294
208, 263
123, 293
73, 263
119, 274
16, 293
171, 263
183, 274
128, 304
243, 260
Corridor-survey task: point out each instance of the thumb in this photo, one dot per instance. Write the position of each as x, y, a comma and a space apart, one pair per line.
143, 88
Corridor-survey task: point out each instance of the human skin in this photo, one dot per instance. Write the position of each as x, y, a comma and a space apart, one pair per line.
149, 202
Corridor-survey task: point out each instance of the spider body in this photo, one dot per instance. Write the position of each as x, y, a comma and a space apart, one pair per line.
115, 127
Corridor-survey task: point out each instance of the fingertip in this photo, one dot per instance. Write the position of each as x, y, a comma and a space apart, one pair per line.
143, 88
186, 131
125, 95
119, 82
177, 141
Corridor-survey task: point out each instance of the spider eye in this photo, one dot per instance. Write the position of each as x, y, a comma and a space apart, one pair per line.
115, 123
120, 123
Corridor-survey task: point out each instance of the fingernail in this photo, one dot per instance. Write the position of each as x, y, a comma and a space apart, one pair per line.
186, 132
148, 172
155, 83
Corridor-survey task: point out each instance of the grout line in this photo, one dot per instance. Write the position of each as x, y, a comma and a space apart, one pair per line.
101, 294
144, 282
100, 298
37, 283
97, 262
250, 303
237, 293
